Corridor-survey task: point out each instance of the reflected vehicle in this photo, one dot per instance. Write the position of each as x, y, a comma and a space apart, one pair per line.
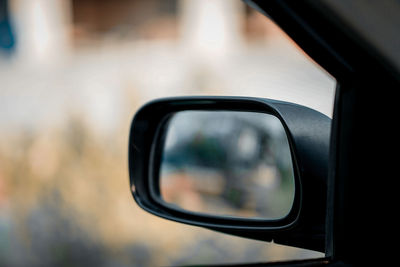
227, 163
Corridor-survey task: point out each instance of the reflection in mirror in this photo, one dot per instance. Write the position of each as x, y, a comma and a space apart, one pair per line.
227, 163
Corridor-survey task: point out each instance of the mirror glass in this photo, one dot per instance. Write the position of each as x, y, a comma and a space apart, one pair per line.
227, 163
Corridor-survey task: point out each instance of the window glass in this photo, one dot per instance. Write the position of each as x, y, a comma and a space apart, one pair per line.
72, 75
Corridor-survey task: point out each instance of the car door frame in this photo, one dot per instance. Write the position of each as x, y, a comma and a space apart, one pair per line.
362, 130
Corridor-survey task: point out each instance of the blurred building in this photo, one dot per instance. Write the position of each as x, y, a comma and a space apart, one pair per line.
49, 29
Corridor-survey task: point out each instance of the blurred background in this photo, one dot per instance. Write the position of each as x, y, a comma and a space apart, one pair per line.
73, 73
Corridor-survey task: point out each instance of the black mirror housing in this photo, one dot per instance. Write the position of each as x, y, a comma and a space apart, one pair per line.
308, 133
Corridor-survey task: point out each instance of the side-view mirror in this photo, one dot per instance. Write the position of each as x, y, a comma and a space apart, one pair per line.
250, 167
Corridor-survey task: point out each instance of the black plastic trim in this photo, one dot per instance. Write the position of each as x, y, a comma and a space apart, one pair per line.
308, 135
